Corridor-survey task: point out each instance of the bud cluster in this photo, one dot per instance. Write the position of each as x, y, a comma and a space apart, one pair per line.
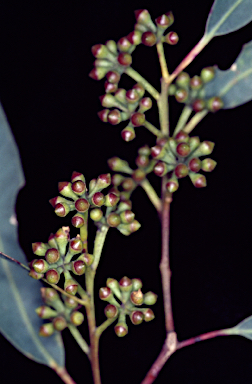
60, 313
59, 253
127, 105
125, 298
178, 157
190, 91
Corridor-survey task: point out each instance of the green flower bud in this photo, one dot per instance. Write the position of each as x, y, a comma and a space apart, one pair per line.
45, 312
70, 302
136, 284
52, 255
111, 311
59, 323
137, 297
77, 318
46, 330
40, 266
39, 248
198, 180
208, 165
96, 214
114, 286
150, 298
70, 286
65, 189
148, 314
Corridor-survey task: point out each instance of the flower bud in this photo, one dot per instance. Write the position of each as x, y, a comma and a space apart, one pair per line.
128, 134
207, 74
181, 95
45, 312
103, 115
110, 87
113, 220
140, 89
39, 248
137, 297
145, 104
181, 170
128, 184
118, 165
123, 205
208, 165
46, 330
98, 199
196, 82
99, 51
52, 276
96, 214
136, 284
123, 44
78, 187
35, 275
125, 284
111, 200
59, 323
198, 105
205, 148
135, 37
121, 329
81, 205
70, 302
70, 286
52, 255
127, 229
150, 298
194, 142
114, 286
105, 293
142, 161
161, 169
87, 258
75, 246
62, 209
78, 220
138, 175
77, 318
183, 149
77, 176
182, 137
40, 266
114, 117
103, 181
183, 80
113, 77
136, 317
62, 238
137, 119
111, 311
148, 314
127, 216
78, 267
124, 59
214, 104
198, 180
65, 189
98, 73
172, 38
52, 242
194, 164
158, 152
143, 17
172, 184
149, 38
163, 22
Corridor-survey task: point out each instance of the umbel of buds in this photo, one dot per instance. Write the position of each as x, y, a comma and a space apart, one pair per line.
125, 298
180, 157
60, 313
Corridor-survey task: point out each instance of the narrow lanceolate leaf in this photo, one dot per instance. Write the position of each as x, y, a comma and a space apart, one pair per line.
244, 328
19, 293
234, 85
227, 16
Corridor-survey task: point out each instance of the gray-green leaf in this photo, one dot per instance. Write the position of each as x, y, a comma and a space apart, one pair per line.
244, 328
19, 293
234, 85
227, 16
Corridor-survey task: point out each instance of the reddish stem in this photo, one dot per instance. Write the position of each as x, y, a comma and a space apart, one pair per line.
204, 336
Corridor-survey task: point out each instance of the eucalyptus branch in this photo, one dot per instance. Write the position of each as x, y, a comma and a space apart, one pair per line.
137, 77
186, 113
151, 193
162, 61
104, 325
79, 339
98, 244
195, 120
152, 129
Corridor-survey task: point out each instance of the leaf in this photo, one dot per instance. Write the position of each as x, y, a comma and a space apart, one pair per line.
234, 85
244, 328
227, 16
19, 293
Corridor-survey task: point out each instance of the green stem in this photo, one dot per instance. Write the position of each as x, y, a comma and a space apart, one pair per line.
104, 326
77, 336
183, 119
195, 120
98, 245
84, 232
163, 108
137, 77
152, 129
151, 193
162, 61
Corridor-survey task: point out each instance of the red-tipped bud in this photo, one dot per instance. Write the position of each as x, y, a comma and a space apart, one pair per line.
157, 152
160, 169
140, 89
181, 170
194, 164
114, 117
183, 80
52, 242
135, 37
99, 51
70, 302
78, 267
77, 318
96, 214
128, 134
110, 87
150, 298
181, 95
125, 284
59, 323
138, 175
171, 17
77, 176
148, 315
114, 286
81, 205
137, 119
127, 229
215, 104
62, 209
198, 105
128, 184
75, 246
113, 77
172, 185
40, 266
70, 286
198, 180
142, 161
163, 22
120, 95
208, 165
52, 276
79, 187
121, 329
124, 59
65, 189
196, 82
183, 149
107, 101
78, 220
62, 237
111, 311
143, 18
123, 44
136, 317
113, 220
98, 73
45, 312
127, 216
46, 330
182, 137
49, 295
145, 104
136, 297
132, 96
105, 293
161, 141
87, 258
118, 165
103, 181
39, 248
111, 199
98, 199
207, 74
205, 148
149, 38
172, 38
103, 115
52, 255
117, 179
35, 275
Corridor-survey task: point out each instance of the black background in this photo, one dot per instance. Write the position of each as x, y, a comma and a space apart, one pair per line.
52, 106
